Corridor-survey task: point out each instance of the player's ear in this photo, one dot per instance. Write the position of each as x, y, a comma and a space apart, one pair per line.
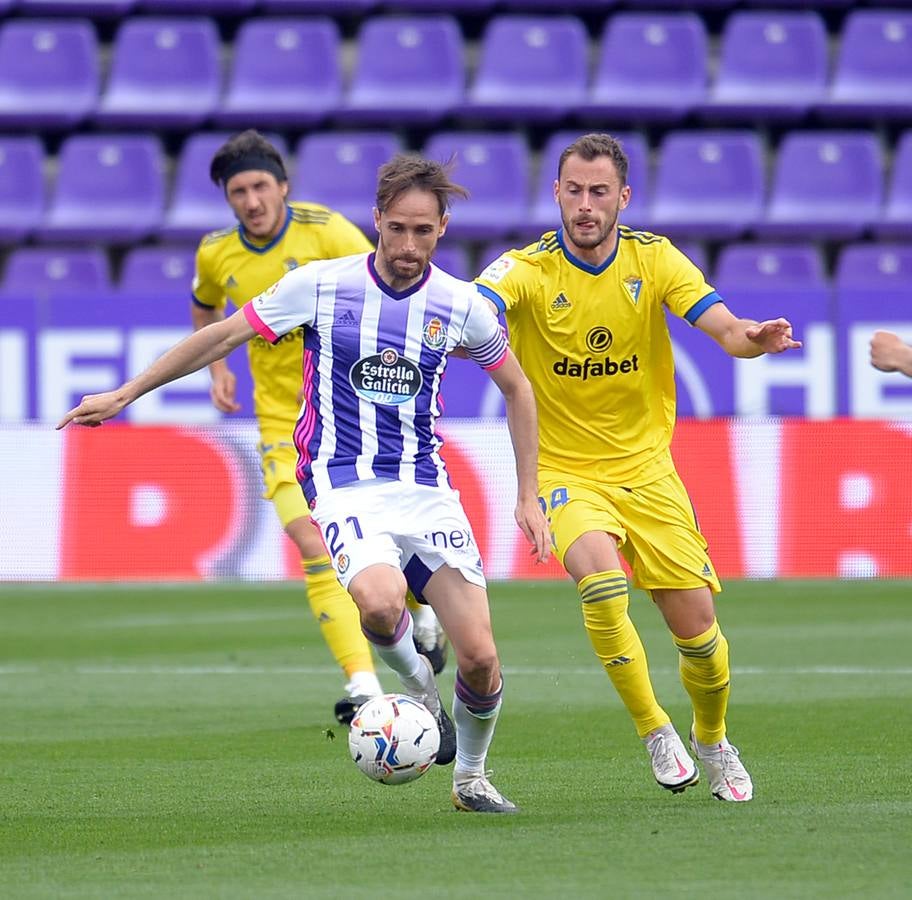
556, 191
444, 221
284, 186
377, 219
626, 194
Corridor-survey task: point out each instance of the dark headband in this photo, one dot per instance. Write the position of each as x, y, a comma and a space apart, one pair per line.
253, 161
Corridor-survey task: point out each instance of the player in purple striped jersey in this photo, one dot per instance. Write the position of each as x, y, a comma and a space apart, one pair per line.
377, 331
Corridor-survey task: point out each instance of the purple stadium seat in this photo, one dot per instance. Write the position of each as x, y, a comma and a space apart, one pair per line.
214, 7
109, 188
285, 72
772, 266
452, 258
873, 75
559, 5
897, 217
772, 65
409, 69
495, 169
164, 73
48, 73
339, 169
651, 67
97, 9
532, 68
677, 4
446, 6
826, 184
317, 6
197, 205
545, 214
49, 271
875, 267
165, 272
21, 187
709, 184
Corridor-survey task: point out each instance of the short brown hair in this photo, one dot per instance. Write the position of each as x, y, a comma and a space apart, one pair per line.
247, 150
408, 170
591, 146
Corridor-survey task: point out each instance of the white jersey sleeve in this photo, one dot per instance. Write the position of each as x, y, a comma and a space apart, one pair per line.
483, 336
285, 305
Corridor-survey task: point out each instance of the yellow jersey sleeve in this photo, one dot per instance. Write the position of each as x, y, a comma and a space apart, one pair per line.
206, 290
510, 280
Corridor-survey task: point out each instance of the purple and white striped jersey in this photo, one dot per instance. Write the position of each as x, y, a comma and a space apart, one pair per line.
373, 361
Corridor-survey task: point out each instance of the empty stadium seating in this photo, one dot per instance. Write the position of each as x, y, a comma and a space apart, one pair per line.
532, 69
285, 73
21, 187
750, 124
109, 188
409, 69
772, 65
49, 73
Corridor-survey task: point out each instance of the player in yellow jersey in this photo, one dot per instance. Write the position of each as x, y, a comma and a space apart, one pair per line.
274, 236
585, 307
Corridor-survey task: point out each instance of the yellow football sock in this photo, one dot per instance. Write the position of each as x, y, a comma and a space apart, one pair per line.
618, 646
335, 611
703, 663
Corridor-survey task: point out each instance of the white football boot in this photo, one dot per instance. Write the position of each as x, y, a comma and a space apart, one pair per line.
672, 766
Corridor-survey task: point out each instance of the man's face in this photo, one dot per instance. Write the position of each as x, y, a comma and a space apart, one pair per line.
258, 201
408, 231
590, 197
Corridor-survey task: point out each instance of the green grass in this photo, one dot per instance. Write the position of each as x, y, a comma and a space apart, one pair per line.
176, 742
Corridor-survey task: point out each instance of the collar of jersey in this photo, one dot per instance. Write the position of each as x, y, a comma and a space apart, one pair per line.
576, 261
395, 295
256, 248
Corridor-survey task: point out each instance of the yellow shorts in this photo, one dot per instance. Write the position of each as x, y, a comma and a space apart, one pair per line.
278, 460
655, 526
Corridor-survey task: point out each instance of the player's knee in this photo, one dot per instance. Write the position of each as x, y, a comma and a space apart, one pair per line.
380, 599
480, 668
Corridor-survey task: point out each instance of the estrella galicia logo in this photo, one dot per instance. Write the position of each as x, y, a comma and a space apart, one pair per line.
435, 334
599, 340
386, 378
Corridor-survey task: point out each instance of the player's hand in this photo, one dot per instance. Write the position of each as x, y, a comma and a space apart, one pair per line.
772, 336
534, 526
887, 351
94, 409
223, 391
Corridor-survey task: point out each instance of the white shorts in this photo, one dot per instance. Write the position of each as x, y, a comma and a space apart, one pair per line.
413, 527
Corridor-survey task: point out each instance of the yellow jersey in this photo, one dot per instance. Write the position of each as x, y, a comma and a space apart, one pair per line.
229, 267
594, 342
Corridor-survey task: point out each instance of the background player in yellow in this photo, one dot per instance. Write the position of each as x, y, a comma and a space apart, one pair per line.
235, 264
585, 306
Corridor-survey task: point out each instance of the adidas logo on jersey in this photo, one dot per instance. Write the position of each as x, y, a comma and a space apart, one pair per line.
231, 283
346, 319
560, 302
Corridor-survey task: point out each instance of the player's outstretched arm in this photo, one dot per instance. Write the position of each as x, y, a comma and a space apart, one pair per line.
890, 354
522, 420
224, 383
192, 353
745, 338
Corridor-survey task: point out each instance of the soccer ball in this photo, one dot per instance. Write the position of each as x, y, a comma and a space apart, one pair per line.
393, 739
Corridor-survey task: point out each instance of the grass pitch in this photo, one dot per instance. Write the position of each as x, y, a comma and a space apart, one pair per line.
179, 742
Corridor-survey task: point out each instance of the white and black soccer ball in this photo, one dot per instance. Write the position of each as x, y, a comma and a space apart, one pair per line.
393, 739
